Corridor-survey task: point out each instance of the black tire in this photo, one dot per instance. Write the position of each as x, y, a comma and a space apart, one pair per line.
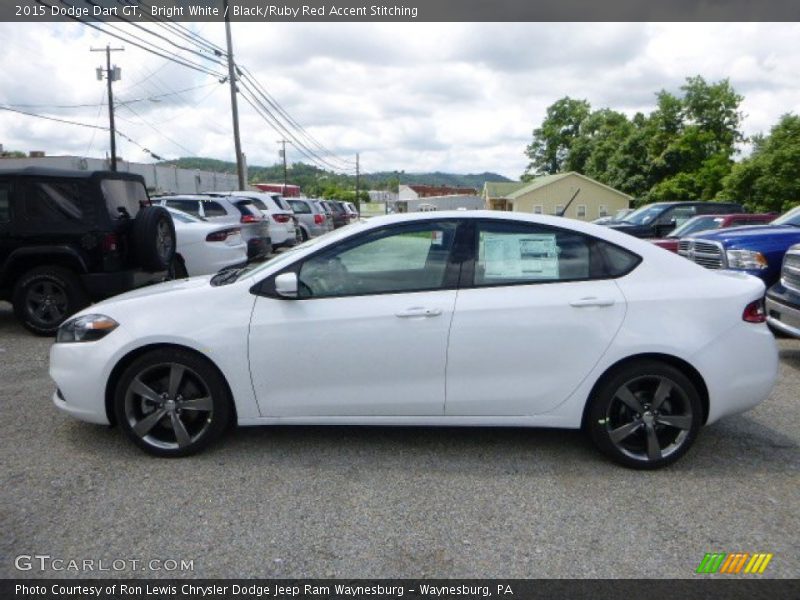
156, 383
153, 238
303, 235
646, 415
45, 297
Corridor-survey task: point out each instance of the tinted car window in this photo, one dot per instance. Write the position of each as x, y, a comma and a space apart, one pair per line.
59, 202
5, 203
509, 253
409, 258
188, 206
282, 203
215, 209
123, 197
300, 207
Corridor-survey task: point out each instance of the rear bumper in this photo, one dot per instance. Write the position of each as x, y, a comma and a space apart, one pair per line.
105, 285
783, 310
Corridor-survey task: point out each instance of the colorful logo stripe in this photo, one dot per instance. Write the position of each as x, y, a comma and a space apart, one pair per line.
733, 564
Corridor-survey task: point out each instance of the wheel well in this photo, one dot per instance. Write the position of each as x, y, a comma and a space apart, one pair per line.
18, 267
674, 361
126, 360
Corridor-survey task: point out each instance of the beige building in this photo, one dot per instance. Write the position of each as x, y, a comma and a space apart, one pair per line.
550, 194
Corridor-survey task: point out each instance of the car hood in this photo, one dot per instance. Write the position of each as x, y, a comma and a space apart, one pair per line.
153, 292
748, 232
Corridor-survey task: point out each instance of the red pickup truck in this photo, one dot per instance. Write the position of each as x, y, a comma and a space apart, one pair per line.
707, 222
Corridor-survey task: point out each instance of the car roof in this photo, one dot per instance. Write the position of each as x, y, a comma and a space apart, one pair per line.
68, 173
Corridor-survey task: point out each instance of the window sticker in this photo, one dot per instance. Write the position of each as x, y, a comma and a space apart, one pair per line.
520, 256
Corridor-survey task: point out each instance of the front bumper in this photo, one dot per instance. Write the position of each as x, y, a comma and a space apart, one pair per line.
783, 310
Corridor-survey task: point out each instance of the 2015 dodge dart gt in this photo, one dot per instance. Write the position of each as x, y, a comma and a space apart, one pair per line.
461, 318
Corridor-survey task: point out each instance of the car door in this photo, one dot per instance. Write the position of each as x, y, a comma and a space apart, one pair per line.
367, 335
536, 314
6, 243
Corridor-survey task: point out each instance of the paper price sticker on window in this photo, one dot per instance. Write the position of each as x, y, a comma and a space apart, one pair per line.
437, 238
520, 256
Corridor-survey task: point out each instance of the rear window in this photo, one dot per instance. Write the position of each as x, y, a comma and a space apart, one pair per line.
246, 207
59, 202
214, 209
123, 197
258, 203
188, 206
300, 207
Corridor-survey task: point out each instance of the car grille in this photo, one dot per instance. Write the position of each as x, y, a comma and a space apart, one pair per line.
790, 275
705, 254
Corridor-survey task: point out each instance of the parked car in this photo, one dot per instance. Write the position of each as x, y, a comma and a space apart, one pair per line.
325, 209
616, 217
228, 209
277, 212
310, 217
70, 237
468, 318
204, 247
708, 223
340, 215
783, 298
660, 218
754, 249
352, 211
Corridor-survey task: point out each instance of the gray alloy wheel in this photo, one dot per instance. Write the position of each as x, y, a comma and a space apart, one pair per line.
646, 416
172, 402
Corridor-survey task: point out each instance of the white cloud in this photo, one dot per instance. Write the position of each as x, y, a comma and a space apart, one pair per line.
412, 96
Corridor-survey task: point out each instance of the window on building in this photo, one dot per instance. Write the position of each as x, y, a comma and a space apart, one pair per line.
559, 209
537, 210
602, 211
581, 211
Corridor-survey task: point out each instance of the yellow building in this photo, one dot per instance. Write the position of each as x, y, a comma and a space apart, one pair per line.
550, 194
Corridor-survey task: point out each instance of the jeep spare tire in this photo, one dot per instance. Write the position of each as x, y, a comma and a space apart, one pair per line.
153, 238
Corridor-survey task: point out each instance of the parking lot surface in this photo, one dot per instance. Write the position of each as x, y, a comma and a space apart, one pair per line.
383, 502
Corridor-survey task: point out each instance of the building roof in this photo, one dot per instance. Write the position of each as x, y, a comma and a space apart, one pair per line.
423, 191
540, 182
499, 189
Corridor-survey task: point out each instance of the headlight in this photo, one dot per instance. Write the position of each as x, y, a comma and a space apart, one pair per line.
746, 259
88, 328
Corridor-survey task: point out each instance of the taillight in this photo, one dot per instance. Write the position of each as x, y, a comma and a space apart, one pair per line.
109, 243
282, 218
221, 236
319, 219
755, 312
250, 219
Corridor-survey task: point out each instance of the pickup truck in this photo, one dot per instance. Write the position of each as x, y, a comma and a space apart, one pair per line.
783, 298
711, 222
754, 249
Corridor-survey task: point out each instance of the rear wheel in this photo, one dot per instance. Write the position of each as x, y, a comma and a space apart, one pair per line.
45, 297
172, 403
645, 416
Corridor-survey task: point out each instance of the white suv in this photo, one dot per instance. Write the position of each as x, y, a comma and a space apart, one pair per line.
279, 215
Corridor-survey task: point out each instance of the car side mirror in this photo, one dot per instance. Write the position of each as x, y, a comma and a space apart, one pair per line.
286, 285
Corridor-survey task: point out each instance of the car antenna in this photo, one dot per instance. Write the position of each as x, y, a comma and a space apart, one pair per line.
575, 195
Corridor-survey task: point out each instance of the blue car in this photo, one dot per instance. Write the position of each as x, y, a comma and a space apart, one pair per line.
754, 249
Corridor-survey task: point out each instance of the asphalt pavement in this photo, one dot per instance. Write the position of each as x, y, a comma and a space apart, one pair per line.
386, 502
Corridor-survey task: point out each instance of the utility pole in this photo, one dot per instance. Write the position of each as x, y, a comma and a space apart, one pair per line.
283, 155
240, 168
358, 204
112, 75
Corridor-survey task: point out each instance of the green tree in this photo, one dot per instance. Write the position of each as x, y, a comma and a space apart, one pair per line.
769, 179
552, 141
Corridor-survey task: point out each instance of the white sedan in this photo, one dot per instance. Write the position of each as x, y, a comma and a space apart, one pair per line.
461, 318
203, 247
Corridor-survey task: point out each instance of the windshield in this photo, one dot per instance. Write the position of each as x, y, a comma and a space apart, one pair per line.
643, 215
697, 224
790, 218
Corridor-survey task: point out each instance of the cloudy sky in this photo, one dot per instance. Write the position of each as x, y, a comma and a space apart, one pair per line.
411, 96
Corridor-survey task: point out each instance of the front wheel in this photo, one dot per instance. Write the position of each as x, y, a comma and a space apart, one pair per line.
645, 416
172, 403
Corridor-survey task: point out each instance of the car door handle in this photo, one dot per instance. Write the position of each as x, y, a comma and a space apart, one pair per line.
418, 311
592, 302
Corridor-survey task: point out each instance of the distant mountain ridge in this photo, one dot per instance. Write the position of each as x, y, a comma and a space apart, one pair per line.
306, 175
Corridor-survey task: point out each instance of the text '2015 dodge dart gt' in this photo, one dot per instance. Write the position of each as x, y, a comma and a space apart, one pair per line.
465, 318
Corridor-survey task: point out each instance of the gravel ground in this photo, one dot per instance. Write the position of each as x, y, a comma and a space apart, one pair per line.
383, 502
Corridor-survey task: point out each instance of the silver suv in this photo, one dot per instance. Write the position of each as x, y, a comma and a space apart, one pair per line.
311, 218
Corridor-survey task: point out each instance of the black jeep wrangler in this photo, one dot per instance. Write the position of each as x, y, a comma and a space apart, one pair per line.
70, 237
